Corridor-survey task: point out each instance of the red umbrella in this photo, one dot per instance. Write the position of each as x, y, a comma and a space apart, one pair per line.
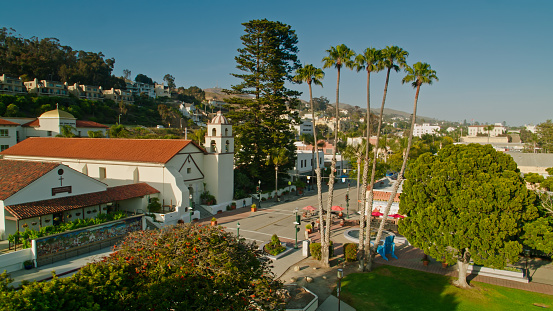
309, 208
397, 216
376, 213
337, 208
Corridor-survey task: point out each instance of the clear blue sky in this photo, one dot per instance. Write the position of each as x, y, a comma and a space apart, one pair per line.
493, 58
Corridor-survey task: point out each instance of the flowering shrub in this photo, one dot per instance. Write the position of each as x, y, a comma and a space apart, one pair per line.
184, 267
274, 247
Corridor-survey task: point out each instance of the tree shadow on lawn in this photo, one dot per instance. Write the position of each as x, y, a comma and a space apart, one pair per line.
394, 288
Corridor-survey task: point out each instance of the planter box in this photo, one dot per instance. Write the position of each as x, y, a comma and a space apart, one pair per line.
284, 253
301, 302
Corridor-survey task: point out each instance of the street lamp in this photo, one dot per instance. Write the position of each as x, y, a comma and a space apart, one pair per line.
338, 289
238, 230
119, 118
259, 192
347, 202
296, 223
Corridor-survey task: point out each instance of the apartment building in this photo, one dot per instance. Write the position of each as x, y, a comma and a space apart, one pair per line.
47, 88
119, 95
11, 86
89, 92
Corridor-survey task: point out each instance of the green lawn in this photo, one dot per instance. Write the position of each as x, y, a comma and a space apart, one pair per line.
393, 288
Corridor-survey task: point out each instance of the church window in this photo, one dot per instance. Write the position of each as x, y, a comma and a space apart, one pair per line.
213, 146
213, 132
226, 132
188, 170
227, 146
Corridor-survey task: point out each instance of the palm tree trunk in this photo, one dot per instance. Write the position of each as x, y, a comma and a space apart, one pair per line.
314, 134
325, 250
368, 208
399, 178
318, 170
362, 218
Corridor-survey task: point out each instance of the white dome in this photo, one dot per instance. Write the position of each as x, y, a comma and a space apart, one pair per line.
219, 119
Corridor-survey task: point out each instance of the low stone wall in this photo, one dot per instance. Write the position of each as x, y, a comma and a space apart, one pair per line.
517, 276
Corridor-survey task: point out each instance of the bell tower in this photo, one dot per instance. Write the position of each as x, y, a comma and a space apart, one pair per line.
219, 162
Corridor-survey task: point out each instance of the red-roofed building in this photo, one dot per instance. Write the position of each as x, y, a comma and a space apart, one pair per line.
49, 124
36, 194
177, 168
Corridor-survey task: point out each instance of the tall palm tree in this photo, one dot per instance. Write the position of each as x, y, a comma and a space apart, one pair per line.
393, 57
489, 129
337, 57
420, 74
278, 157
369, 60
312, 75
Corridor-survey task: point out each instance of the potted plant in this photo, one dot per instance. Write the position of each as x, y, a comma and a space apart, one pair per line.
28, 264
254, 208
233, 206
425, 260
214, 221
308, 228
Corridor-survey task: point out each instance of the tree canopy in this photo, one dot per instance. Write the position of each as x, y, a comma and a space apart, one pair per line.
142, 78
47, 59
468, 201
267, 61
185, 267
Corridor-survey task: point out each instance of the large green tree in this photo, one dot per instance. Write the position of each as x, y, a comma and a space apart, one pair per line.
184, 267
338, 57
545, 136
262, 119
467, 202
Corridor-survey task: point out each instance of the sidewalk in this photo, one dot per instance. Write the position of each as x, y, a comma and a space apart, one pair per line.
62, 268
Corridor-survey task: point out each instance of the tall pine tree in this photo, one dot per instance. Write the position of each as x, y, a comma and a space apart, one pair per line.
261, 117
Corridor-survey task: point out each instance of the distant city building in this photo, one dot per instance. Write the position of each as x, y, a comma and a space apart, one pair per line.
119, 95
89, 92
305, 127
11, 86
425, 128
49, 124
531, 128
162, 90
46, 88
498, 130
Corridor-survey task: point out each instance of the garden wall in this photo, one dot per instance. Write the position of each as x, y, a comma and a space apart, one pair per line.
14, 261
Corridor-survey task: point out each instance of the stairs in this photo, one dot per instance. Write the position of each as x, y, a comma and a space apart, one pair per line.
203, 212
151, 225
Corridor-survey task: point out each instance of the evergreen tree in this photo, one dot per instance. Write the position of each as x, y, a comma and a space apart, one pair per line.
262, 122
466, 202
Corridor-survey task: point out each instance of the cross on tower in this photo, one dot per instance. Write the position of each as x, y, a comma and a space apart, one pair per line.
61, 180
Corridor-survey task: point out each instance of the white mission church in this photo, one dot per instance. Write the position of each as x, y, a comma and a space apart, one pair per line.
175, 170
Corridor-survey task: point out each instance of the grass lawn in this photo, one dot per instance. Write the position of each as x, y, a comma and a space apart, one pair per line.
393, 288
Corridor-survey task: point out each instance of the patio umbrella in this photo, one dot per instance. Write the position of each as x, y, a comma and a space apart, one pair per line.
376, 213
337, 208
309, 208
397, 216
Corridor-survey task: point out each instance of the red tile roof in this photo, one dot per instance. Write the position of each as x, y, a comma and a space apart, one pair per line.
90, 124
33, 123
384, 196
110, 149
47, 207
6, 122
16, 175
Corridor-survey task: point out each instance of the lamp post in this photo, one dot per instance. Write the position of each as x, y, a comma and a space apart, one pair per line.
289, 186
339, 288
238, 230
347, 202
296, 223
119, 118
259, 192
191, 212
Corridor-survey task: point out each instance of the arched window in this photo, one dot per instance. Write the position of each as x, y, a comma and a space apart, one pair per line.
227, 146
226, 132
213, 145
213, 132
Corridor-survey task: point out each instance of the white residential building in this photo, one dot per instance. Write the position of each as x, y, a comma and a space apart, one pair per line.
498, 129
425, 128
